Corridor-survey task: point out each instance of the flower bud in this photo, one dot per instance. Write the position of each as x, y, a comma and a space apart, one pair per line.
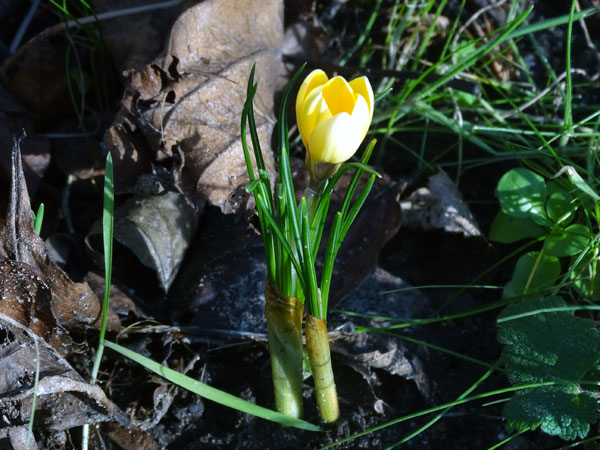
333, 119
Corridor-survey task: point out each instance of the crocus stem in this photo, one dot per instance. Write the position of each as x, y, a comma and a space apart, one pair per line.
317, 347
312, 198
284, 325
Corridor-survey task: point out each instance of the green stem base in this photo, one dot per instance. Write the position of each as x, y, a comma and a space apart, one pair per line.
284, 325
317, 347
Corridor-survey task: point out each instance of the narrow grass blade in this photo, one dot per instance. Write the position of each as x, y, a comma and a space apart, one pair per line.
505, 32
361, 39
249, 96
38, 219
107, 237
285, 173
211, 393
442, 407
441, 414
578, 181
568, 113
551, 23
355, 209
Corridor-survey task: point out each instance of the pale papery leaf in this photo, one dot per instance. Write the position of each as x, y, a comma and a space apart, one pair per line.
188, 103
64, 399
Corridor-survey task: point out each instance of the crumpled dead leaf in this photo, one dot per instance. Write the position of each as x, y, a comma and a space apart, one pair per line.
439, 205
187, 104
64, 399
378, 351
120, 302
157, 229
41, 65
26, 298
131, 437
72, 304
436, 221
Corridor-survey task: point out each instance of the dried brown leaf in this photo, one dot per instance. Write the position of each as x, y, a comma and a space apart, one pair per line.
73, 304
157, 229
120, 302
42, 66
64, 399
25, 297
438, 205
131, 437
188, 103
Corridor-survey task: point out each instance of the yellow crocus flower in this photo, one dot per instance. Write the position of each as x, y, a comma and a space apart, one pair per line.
333, 119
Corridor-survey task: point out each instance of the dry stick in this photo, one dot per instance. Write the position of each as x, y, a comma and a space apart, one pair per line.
527, 104
584, 28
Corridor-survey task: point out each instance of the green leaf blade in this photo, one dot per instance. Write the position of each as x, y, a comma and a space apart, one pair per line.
533, 272
560, 206
508, 229
522, 194
210, 392
568, 242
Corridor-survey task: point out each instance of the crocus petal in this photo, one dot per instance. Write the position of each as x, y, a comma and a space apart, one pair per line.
362, 87
361, 116
333, 119
335, 140
313, 111
315, 78
339, 96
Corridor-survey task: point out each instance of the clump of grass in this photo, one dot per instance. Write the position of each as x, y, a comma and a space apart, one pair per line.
515, 121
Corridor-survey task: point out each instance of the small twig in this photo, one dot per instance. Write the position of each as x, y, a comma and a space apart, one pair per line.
584, 28
535, 99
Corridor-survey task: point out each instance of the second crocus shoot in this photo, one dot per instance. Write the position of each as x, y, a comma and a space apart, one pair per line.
333, 119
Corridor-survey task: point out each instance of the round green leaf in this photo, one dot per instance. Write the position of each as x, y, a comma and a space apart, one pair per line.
569, 241
507, 229
522, 194
560, 205
532, 272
